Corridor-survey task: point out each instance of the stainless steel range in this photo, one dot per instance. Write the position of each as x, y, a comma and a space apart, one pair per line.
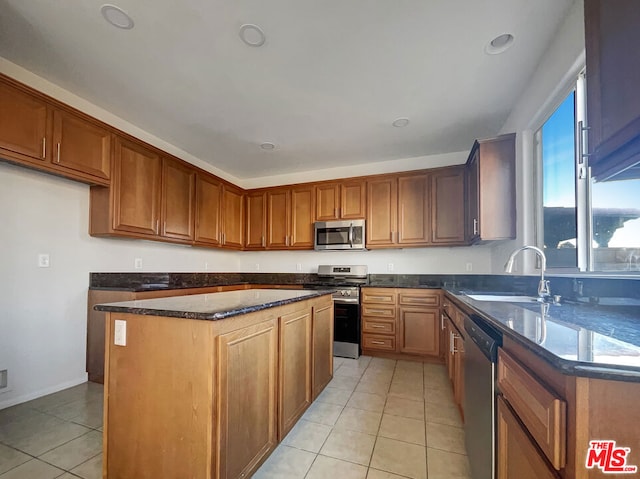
346, 279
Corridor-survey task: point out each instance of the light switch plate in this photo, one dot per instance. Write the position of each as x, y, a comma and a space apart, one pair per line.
120, 333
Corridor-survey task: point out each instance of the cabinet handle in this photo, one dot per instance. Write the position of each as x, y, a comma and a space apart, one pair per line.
263, 241
157, 226
475, 226
378, 311
286, 240
377, 297
58, 153
164, 227
452, 343
44, 147
442, 321
377, 326
377, 342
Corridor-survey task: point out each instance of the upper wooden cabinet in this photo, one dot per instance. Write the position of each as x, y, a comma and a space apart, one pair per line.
51, 138
612, 38
491, 195
178, 200
302, 217
278, 216
256, 234
23, 125
208, 210
447, 206
80, 145
343, 200
290, 216
232, 217
382, 212
413, 228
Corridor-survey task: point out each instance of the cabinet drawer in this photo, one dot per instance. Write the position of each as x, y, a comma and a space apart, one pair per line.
382, 343
388, 312
380, 327
378, 295
423, 298
540, 410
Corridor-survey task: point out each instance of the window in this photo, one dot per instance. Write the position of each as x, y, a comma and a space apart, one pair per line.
583, 223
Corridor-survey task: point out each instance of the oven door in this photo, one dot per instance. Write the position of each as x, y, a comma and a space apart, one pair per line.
346, 333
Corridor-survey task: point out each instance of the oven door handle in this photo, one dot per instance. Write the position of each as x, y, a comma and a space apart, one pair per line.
346, 301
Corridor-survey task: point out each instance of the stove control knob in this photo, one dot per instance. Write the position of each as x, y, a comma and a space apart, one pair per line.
348, 293
341, 293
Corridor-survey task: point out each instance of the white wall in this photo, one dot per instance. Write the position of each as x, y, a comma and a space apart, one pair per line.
43, 310
549, 85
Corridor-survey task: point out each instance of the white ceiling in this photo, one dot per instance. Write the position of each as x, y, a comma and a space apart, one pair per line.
325, 87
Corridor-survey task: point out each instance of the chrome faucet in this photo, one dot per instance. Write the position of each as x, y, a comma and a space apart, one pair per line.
543, 285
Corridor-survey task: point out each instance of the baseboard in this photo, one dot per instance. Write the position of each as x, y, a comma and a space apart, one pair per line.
43, 392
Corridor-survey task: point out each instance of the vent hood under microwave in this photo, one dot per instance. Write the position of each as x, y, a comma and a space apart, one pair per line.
339, 235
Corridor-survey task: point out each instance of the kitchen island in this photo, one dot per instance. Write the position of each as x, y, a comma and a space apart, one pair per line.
205, 386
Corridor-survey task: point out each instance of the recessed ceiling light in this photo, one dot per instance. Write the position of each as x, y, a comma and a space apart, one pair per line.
116, 17
252, 35
400, 122
267, 146
499, 44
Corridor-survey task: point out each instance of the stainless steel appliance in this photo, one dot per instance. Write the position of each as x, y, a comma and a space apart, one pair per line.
346, 280
339, 235
481, 350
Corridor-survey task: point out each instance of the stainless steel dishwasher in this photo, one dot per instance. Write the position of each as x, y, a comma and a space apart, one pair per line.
481, 350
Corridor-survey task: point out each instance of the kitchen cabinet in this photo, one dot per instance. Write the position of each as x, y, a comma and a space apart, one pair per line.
295, 368
23, 125
178, 200
401, 320
490, 190
208, 210
612, 38
517, 457
232, 217
322, 347
452, 321
447, 206
414, 227
290, 217
382, 212
132, 204
256, 220
341, 200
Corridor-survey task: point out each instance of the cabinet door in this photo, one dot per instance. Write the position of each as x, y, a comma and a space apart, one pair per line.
256, 220
81, 145
472, 195
517, 457
613, 74
447, 206
278, 218
295, 369
382, 210
302, 217
458, 379
23, 124
419, 331
353, 200
136, 188
232, 217
327, 202
246, 406
322, 347
208, 210
178, 197
414, 227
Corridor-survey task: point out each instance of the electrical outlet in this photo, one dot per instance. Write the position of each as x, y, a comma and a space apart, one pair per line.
390, 267
257, 266
43, 260
469, 266
137, 263
120, 333
298, 267
4, 378
206, 266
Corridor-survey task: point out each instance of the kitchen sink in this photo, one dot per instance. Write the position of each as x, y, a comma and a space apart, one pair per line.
504, 298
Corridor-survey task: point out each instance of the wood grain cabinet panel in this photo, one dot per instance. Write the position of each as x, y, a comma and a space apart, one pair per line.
517, 457
541, 411
327, 201
256, 220
208, 210
23, 125
81, 145
302, 217
322, 347
414, 226
447, 201
178, 200
341, 200
378, 342
278, 216
419, 331
232, 217
136, 188
247, 405
382, 212
295, 368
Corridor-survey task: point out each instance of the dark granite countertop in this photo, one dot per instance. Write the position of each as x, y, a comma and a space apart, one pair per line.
213, 306
581, 339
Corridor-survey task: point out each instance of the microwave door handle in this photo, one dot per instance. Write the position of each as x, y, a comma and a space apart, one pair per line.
351, 235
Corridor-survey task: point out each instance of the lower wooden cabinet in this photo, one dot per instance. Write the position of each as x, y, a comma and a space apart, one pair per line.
401, 320
517, 456
322, 329
451, 327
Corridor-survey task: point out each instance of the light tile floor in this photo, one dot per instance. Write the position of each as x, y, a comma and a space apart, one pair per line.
377, 419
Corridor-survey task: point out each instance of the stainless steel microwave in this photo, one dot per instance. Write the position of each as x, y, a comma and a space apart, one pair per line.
339, 235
